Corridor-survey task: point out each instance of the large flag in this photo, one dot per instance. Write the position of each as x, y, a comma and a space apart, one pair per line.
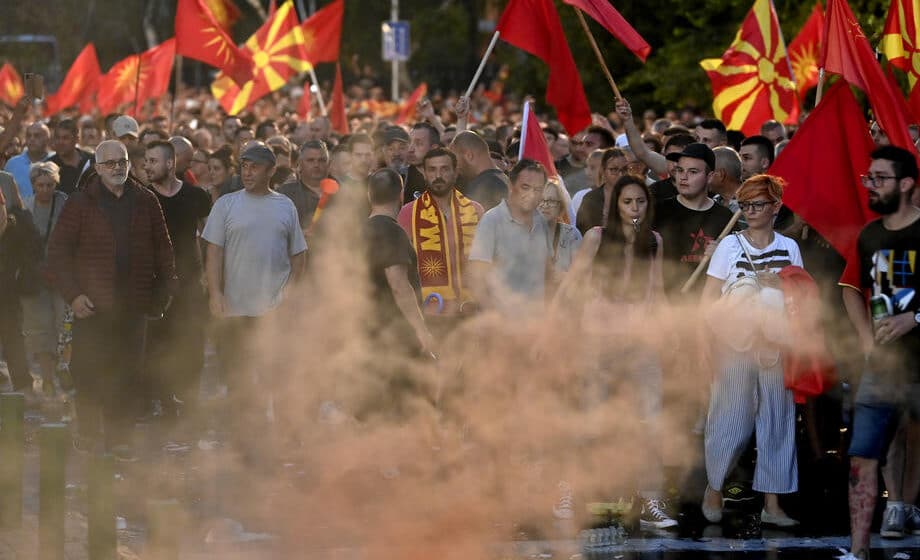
199, 36
322, 33
804, 51
338, 116
407, 107
616, 24
822, 165
533, 143
534, 26
847, 52
752, 82
901, 44
79, 84
137, 78
225, 12
277, 49
11, 88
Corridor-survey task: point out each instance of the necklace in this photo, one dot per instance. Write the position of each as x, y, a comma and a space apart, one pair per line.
751, 241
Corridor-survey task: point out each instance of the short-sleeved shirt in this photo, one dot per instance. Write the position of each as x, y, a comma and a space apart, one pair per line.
730, 263
519, 255
304, 199
888, 263
388, 245
686, 233
183, 211
565, 242
259, 235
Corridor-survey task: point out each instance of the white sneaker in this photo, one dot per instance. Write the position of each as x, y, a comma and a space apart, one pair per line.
564, 508
654, 516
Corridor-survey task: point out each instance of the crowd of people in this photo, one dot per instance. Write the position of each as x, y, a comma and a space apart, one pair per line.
131, 244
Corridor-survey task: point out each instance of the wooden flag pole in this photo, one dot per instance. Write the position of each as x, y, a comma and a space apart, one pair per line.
597, 52
137, 83
319, 91
482, 64
705, 262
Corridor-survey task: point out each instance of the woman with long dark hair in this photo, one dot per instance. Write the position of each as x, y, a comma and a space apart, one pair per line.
617, 276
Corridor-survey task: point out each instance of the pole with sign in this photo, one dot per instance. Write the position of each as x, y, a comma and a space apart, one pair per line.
395, 38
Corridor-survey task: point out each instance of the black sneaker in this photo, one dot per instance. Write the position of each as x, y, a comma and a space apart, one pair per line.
737, 492
654, 516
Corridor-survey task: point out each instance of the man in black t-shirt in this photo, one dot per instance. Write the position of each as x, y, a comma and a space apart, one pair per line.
71, 160
483, 182
691, 221
175, 353
393, 267
889, 392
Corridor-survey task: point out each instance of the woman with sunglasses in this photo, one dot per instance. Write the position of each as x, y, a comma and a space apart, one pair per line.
565, 237
749, 390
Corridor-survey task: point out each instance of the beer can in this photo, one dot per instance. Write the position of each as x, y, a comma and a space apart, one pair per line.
880, 307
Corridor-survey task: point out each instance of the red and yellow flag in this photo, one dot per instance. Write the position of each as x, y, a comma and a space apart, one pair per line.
322, 33
199, 36
901, 45
407, 107
79, 85
11, 88
338, 114
804, 51
225, 12
137, 78
278, 51
752, 82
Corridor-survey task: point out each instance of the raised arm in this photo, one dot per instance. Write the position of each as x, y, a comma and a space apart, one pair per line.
655, 161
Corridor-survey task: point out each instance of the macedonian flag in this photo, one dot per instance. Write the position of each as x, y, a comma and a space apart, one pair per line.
901, 44
752, 82
137, 78
804, 51
278, 51
11, 88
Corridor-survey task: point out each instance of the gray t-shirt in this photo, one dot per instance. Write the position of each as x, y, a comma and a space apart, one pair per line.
259, 235
519, 255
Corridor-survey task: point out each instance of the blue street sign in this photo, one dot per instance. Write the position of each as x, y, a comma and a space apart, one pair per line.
395, 40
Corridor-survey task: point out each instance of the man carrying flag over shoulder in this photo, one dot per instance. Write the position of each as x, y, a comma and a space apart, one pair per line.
441, 224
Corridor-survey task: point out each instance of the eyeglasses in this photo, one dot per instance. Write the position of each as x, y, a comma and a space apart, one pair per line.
551, 203
874, 182
754, 206
112, 164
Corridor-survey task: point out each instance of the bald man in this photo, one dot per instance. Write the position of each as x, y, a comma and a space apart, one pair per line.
38, 136
184, 152
483, 181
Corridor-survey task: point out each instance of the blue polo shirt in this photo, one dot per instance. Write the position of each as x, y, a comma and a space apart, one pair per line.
18, 167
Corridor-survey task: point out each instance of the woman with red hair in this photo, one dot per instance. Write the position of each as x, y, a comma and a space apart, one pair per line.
748, 391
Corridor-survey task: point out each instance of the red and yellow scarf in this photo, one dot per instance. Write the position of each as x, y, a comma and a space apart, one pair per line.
440, 265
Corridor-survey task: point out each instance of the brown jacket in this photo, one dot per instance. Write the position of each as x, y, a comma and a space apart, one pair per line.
81, 251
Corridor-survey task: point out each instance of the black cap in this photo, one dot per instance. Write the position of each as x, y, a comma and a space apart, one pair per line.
394, 134
697, 150
259, 153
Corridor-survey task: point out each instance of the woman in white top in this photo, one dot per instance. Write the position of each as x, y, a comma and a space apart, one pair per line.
749, 390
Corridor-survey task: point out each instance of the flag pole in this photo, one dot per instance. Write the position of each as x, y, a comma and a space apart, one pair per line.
482, 64
175, 93
597, 52
705, 262
820, 86
137, 83
319, 92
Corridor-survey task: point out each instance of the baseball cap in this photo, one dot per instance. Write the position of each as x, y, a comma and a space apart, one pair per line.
259, 153
395, 133
697, 150
125, 126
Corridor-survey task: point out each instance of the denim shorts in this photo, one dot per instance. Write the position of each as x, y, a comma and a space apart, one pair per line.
874, 426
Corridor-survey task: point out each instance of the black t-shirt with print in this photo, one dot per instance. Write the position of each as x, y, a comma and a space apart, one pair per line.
685, 233
888, 265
